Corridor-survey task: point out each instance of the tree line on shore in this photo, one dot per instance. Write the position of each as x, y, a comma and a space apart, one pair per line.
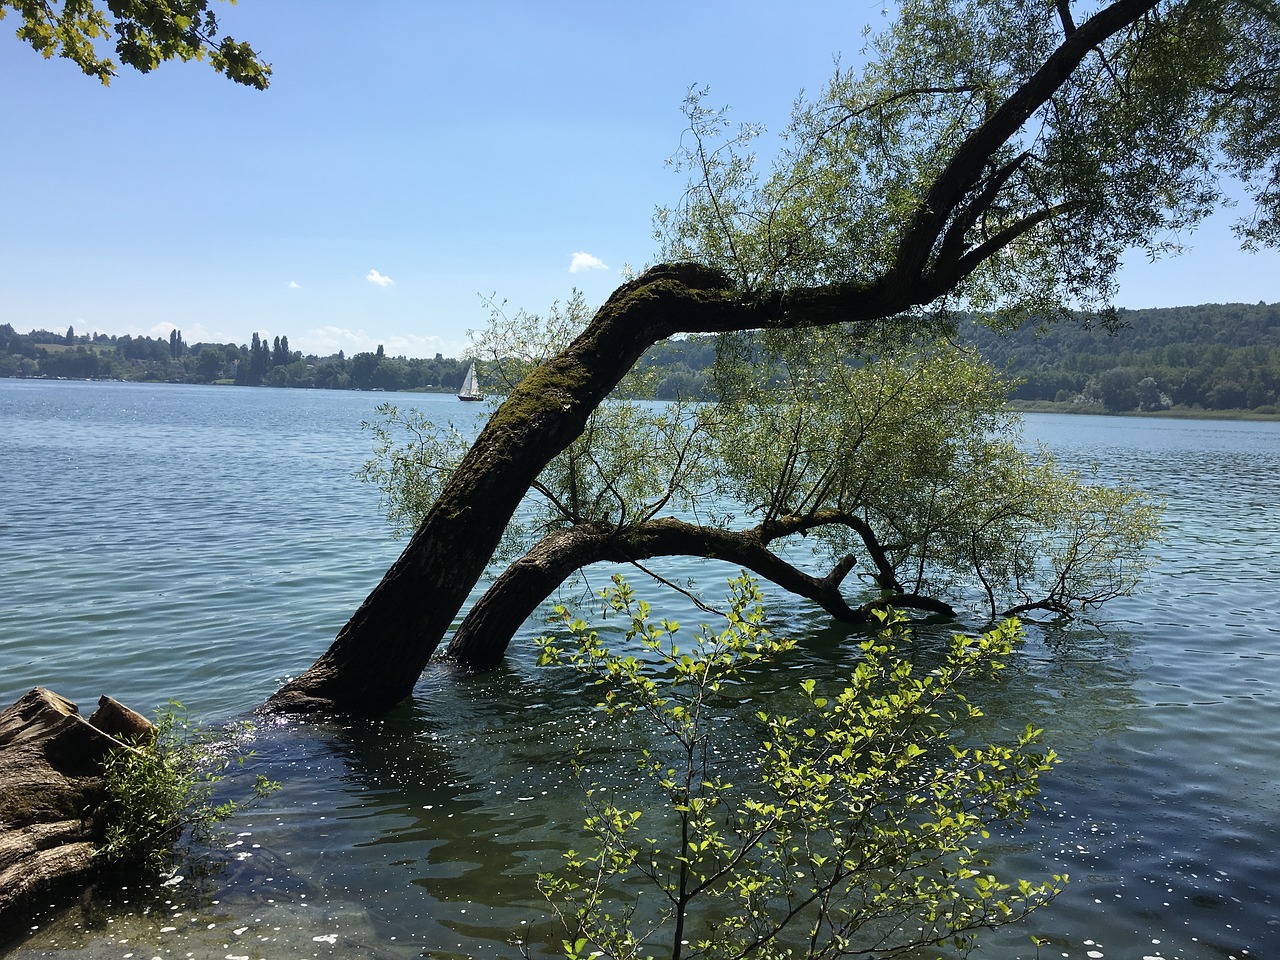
99, 356
1212, 357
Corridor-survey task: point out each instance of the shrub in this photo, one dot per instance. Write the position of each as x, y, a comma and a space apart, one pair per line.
163, 784
855, 826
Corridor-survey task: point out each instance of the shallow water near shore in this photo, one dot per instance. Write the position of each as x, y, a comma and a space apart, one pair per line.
204, 544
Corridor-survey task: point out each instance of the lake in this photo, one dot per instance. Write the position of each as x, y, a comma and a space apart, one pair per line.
204, 544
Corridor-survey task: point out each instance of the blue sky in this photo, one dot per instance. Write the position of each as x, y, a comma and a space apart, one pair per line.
409, 158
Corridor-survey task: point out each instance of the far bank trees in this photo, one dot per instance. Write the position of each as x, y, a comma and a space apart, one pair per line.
996, 155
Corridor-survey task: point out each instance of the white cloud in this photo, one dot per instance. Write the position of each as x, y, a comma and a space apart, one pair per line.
582, 262
161, 330
326, 341
411, 345
294, 285
191, 332
373, 276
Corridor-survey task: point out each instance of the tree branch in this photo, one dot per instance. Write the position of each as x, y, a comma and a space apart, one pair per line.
964, 169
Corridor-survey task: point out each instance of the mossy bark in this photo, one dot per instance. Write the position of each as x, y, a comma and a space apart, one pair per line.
481, 641
483, 637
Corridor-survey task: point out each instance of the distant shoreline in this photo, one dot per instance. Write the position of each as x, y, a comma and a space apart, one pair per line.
1173, 413
1017, 406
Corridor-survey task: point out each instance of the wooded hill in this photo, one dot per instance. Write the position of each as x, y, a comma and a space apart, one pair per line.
1212, 357
1209, 357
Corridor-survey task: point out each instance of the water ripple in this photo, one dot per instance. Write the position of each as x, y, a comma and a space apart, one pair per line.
202, 543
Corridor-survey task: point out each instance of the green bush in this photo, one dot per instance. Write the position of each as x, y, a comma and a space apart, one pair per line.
853, 826
163, 784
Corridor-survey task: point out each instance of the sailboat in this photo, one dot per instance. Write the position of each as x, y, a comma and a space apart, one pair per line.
470, 388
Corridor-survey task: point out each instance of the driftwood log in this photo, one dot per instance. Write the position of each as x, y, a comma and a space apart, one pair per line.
52, 793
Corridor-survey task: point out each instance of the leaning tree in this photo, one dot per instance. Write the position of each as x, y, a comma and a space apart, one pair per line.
999, 155
891, 466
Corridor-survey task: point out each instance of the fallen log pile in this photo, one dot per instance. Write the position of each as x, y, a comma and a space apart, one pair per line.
52, 792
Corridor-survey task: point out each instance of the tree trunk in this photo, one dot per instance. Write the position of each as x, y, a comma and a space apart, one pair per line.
378, 656
51, 791
482, 639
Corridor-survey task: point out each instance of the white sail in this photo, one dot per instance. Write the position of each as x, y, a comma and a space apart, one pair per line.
470, 387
